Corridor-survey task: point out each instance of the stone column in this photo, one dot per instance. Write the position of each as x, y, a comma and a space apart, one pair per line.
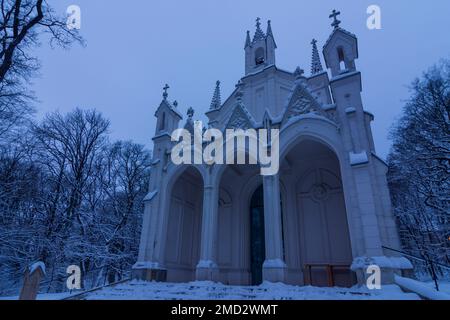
367, 212
150, 266
207, 268
274, 267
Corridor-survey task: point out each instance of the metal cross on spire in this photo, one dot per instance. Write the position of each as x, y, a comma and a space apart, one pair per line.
334, 15
165, 94
258, 22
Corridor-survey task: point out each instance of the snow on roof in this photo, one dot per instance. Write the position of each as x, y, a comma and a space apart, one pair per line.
339, 29
358, 158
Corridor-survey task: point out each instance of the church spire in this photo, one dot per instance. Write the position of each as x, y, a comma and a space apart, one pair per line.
259, 34
316, 65
216, 99
259, 52
248, 42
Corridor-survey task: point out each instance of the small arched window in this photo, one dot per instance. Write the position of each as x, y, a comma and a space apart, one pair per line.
259, 56
341, 57
162, 123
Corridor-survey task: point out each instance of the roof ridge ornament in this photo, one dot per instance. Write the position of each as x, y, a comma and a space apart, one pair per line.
298, 73
239, 92
190, 112
334, 15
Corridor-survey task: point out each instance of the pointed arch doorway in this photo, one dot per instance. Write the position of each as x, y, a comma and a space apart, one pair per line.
257, 236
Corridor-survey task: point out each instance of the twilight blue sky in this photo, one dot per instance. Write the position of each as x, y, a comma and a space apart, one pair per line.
134, 47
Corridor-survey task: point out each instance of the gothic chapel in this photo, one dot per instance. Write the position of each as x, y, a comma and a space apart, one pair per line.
320, 221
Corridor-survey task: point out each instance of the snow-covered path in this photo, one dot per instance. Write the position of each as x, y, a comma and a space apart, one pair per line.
137, 290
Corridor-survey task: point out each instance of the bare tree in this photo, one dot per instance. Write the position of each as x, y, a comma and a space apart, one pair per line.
125, 173
72, 142
67, 196
21, 24
419, 166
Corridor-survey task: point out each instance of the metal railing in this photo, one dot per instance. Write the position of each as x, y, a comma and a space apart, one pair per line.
429, 264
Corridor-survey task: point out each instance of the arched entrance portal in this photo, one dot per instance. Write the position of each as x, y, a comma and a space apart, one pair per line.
234, 258
184, 226
317, 240
257, 239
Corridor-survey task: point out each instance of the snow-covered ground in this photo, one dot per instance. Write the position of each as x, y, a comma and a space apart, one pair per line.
137, 290
204, 290
444, 286
423, 289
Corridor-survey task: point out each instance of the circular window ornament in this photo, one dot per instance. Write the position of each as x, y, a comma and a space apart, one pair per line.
319, 192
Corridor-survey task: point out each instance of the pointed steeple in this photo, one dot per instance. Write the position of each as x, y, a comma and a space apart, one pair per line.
316, 65
269, 29
248, 41
269, 33
216, 102
259, 34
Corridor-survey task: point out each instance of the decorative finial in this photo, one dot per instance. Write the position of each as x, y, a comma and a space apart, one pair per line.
239, 85
269, 27
190, 112
239, 95
248, 42
334, 15
216, 102
259, 34
165, 94
316, 65
298, 73
239, 92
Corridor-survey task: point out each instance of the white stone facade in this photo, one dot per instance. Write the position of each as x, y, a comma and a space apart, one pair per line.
333, 204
